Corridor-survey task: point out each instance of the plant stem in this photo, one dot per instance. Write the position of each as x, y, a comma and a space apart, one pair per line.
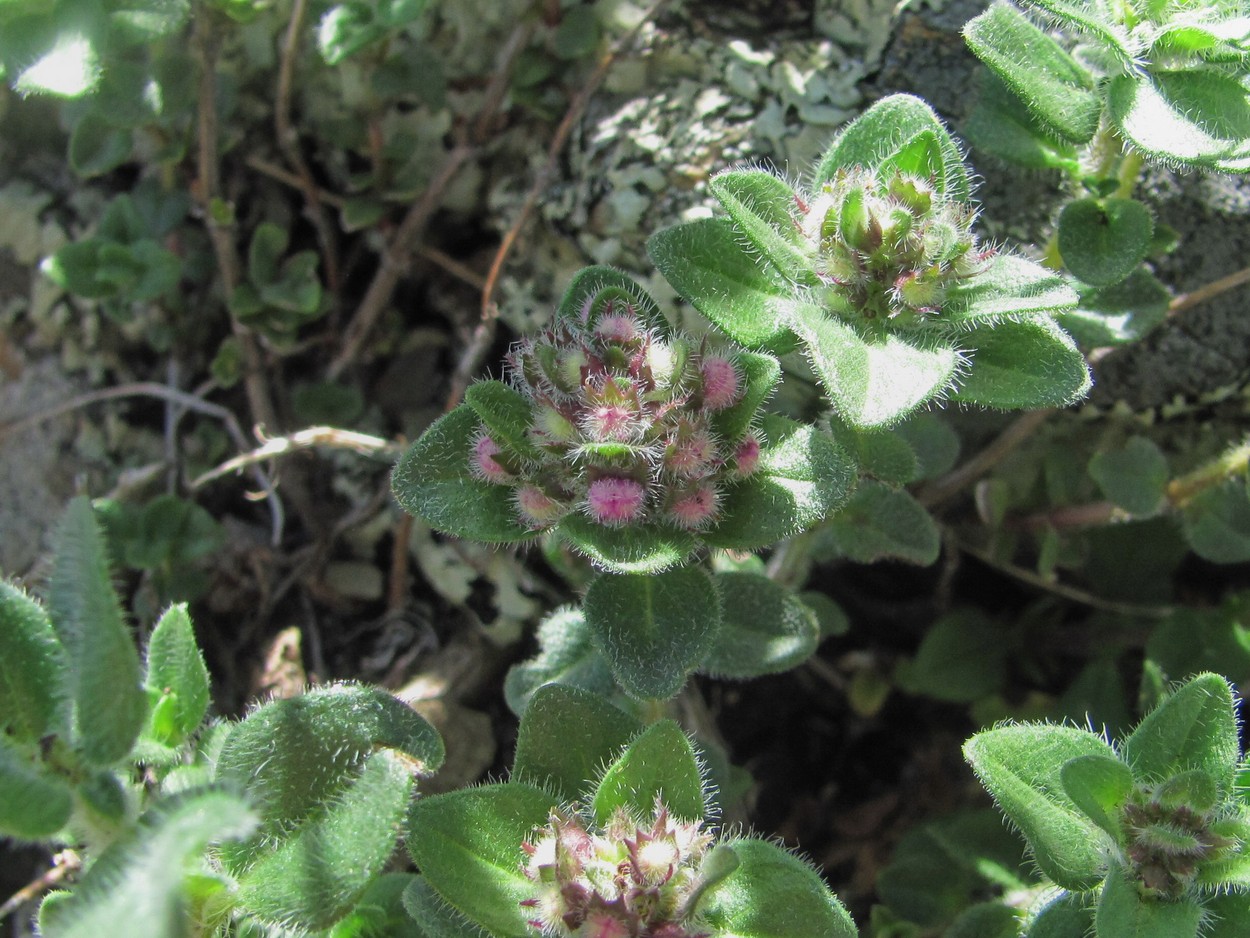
288, 142
394, 260
221, 235
951, 484
1235, 462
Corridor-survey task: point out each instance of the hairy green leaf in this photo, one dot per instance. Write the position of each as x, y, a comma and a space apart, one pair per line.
177, 678
1103, 240
658, 766
1015, 365
803, 476
639, 548
653, 629
33, 669
881, 522
1197, 118
1194, 728
773, 894
593, 289
432, 481
1099, 786
33, 802
767, 628
1057, 90
1020, 767
297, 756
141, 879
764, 208
1123, 912
110, 704
506, 413
886, 129
314, 876
567, 656
706, 264
566, 736
467, 844
873, 381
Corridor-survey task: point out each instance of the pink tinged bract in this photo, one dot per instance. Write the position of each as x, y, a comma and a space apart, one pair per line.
484, 464
616, 327
695, 508
747, 455
615, 501
720, 382
537, 508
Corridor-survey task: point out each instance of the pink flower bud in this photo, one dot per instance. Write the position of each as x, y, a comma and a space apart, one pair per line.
537, 508
483, 464
691, 453
615, 501
720, 383
747, 455
695, 507
617, 327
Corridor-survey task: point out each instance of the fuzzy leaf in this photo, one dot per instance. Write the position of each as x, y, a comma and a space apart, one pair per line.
381, 912
1056, 89
1099, 786
437, 918
654, 630
1093, 19
1008, 286
1118, 314
659, 764
141, 879
962, 658
1217, 523
803, 476
566, 736
593, 288
467, 844
176, 677
506, 413
639, 548
110, 704
881, 522
764, 209
567, 656
1198, 118
879, 134
1020, 767
1133, 476
432, 481
1103, 240
1026, 364
706, 264
314, 876
1194, 728
1067, 916
873, 381
97, 146
773, 894
1002, 125
33, 670
932, 441
1124, 913
767, 628
33, 804
296, 756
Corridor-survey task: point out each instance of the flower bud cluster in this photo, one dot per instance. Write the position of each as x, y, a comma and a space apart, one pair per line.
1168, 839
623, 426
629, 881
890, 248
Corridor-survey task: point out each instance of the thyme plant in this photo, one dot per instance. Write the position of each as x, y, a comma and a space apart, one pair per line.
677, 483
